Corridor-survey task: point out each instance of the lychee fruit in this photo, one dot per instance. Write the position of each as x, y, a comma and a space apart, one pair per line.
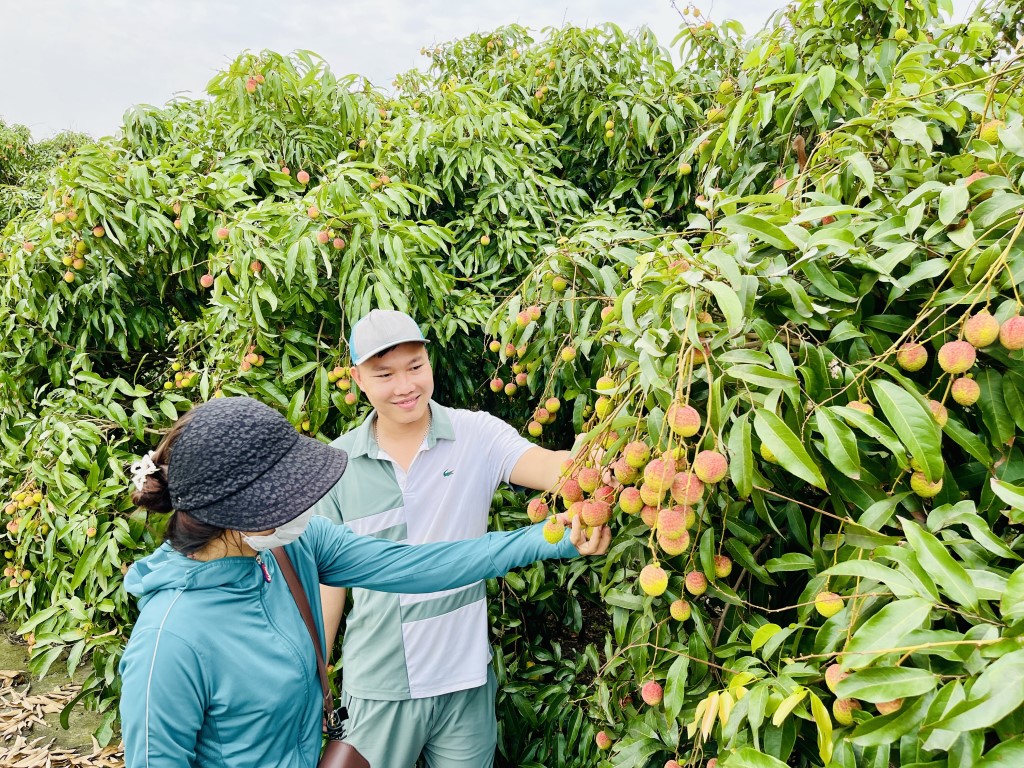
888, 707
652, 693
901, 35
630, 501
596, 512
723, 566
497, 385
602, 406
537, 510
834, 673
710, 466
653, 580
552, 404
312, 212
206, 280
828, 604
683, 419
554, 529
687, 488
302, 177
672, 522
842, 710
981, 329
767, 454
571, 491
559, 284
605, 493
957, 356
939, 412
672, 545
912, 356
568, 354
650, 495
861, 406
624, 473
990, 131
523, 318
680, 610
965, 391
603, 741
589, 478
696, 583
323, 236
920, 485
535, 429
658, 475
1011, 333
636, 454
222, 233
605, 384
338, 243
649, 515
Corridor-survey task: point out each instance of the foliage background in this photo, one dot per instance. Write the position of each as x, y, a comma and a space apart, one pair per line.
673, 192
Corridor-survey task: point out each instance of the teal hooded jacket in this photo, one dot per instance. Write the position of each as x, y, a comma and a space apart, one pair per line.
220, 669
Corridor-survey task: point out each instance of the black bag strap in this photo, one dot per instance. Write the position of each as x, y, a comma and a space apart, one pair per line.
333, 715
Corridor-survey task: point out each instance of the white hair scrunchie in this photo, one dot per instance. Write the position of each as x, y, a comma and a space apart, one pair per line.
142, 469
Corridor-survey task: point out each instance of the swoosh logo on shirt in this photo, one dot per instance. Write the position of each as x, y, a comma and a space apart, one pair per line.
448, 472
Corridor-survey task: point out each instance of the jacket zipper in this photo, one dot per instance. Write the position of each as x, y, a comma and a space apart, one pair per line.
263, 567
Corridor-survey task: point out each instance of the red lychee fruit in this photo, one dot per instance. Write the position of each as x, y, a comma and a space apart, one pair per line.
596, 512
338, 243
888, 707
683, 419
672, 546
497, 385
842, 710
672, 522
535, 429
652, 693
965, 391
680, 610
251, 84
313, 212
653, 580
861, 406
206, 280
222, 233
696, 583
939, 412
981, 329
828, 604
912, 356
302, 177
624, 473
658, 475
534, 312
523, 319
957, 356
323, 236
723, 566
630, 501
603, 741
636, 454
710, 466
589, 478
649, 515
687, 488
256, 267
1011, 333
571, 491
833, 675
537, 510
650, 495
605, 493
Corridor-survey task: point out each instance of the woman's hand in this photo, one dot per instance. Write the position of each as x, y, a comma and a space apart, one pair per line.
599, 540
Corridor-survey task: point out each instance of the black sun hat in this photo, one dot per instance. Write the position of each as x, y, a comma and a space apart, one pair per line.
240, 464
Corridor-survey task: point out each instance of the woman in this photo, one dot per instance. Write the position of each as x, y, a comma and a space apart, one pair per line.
220, 670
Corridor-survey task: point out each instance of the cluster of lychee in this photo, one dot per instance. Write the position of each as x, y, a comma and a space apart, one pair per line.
520, 370
252, 359
253, 82
843, 709
339, 376
182, 378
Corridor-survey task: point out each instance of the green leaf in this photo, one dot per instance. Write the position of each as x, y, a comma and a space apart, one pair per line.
914, 424
886, 683
759, 228
1011, 494
741, 457
995, 693
751, 758
824, 722
952, 202
889, 729
1011, 605
840, 443
675, 686
940, 565
884, 632
1009, 754
786, 446
763, 635
728, 302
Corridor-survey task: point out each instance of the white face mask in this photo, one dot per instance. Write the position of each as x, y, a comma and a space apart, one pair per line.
283, 534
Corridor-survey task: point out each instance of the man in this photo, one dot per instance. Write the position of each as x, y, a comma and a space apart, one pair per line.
418, 679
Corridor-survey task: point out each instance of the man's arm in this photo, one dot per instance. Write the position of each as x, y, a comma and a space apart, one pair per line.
539, 469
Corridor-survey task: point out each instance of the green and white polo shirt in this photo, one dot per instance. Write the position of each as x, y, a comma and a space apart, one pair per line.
403, 646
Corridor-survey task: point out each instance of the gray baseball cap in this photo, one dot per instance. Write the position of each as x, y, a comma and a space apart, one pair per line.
379, 330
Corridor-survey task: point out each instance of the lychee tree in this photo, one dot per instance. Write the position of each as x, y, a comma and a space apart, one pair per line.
775, 287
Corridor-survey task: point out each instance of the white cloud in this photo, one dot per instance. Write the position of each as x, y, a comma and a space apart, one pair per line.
80, 64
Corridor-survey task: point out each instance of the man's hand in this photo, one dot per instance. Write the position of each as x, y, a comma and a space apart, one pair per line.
598, 542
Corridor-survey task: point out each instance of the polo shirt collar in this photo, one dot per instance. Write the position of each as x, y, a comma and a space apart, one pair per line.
364, 444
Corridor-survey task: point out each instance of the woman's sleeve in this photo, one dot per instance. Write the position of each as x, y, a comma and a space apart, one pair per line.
162, 701
347, 560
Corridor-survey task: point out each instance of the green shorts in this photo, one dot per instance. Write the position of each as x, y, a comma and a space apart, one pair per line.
453, 730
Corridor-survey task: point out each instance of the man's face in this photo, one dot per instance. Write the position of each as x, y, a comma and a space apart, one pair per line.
398, 384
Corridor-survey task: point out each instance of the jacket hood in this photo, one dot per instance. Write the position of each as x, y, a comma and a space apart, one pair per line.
167, 568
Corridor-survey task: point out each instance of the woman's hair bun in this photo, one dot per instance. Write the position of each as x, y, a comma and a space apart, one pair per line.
154, 495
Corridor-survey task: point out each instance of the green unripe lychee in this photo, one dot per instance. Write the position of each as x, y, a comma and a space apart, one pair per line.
554, 529
828, 604
920, 485
901, 35
630, 501
559, 284
842, 710
680, 610
723, 566
939, 412
990, 131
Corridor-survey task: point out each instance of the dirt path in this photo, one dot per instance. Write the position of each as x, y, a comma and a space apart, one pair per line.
30, 732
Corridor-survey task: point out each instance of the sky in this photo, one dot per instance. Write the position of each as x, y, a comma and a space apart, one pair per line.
80, 64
